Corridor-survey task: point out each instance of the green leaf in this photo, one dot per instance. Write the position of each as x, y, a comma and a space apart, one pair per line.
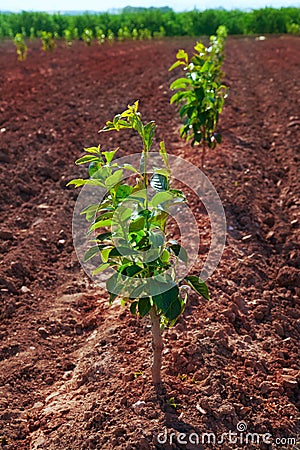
133, 308
145, 213
87, 159
163, 153
176, 64
169, 303
199, 47
152, 255
123, 192
90, 208
137, 224
206, 67
181, 54
109, 155
90, 211
165, 256
122, 214
178, 193
187, 110
179, 251
114, 179
149, 134
144, 306
159, 182
178, 96
108, 127
93, 150
180, 83
104, 254
103, 236
138, 237
100, 224
121, 251
112, 297
218, 137
165, 172
94, 167
132, 270
93, 251
100, 268
80, 182
156, 239
98, 171
160, 220
183, 305
198, 286
114, 284
161, 197
129, 167
137, 291
104, 215
184, 130
123, 301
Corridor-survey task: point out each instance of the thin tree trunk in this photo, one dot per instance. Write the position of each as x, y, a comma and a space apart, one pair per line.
157, 345
203, 154
203, 159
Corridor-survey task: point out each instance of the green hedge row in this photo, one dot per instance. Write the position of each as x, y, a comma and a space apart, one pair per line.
157, 20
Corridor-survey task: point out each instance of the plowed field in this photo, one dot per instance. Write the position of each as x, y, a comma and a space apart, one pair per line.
75, 372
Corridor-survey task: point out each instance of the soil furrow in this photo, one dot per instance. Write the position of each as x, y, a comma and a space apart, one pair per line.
74, 374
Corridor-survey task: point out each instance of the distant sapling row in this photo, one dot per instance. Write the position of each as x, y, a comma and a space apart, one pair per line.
88, 35
129, 232
201, 91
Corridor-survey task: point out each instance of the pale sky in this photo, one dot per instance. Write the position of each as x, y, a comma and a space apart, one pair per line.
101, 5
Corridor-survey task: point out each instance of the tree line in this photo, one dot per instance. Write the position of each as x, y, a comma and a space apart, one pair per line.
157, 21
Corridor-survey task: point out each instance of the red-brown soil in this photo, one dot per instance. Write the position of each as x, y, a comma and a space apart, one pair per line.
75, 373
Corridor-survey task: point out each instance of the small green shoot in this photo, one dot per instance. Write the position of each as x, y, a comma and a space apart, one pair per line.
138, 373
171, 402
21, 47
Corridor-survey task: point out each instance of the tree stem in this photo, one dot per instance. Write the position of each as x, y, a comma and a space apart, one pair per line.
146, 182
203, 148
157, 345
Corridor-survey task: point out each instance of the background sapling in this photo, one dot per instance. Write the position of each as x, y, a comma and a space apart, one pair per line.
48, 42
100, 36
201, 92
21, 46
68, 37
87, 36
